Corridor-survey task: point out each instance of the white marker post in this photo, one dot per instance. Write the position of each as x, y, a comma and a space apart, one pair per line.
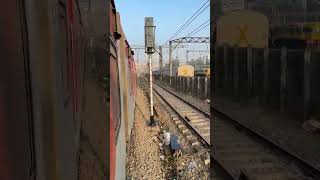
150, 49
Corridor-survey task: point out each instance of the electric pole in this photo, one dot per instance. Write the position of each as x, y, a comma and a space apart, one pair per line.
160, 61
170, 60
137, 48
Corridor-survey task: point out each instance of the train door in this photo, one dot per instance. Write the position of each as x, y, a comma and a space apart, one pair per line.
16, 142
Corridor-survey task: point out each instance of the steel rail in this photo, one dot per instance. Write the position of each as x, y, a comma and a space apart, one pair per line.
185, 101
306, 166
198, 134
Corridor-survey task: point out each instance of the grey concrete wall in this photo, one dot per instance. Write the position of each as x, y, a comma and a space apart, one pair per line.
258, 76
313, 71
295, 85
208, 88
274, 76
274, 79
202, 87
195, 86
189, 85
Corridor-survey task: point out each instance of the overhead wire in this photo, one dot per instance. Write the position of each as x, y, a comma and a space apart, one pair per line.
202, 28
192, 32
189, 21
195, 31
196, 17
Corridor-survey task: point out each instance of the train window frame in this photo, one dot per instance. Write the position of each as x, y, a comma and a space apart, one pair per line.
116, 120
65, 69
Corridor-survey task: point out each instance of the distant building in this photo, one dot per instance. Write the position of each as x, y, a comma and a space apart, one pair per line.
175, 65
142, 68
200, 63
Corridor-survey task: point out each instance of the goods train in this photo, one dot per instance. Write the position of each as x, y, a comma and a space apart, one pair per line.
202, 72
156, 73
242, 28
295, 36
245, 28
182, 70
185, 70
122, 96
41, 95
46, 93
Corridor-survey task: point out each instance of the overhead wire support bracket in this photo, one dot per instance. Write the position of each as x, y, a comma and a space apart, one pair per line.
192, 40
189, 40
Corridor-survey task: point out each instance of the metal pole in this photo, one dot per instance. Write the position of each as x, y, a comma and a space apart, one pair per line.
209, 60
137, 57
187, 56
151, 94
170, 61
160, 52
150, 49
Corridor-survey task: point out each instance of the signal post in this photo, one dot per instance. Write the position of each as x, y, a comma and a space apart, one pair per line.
150, 49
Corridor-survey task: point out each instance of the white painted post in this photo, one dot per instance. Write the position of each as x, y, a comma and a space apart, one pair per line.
150, 49
170, 61
151, 91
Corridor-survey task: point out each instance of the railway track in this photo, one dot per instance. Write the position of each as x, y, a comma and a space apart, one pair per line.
240, 152
249, 158
194, 119
196, 151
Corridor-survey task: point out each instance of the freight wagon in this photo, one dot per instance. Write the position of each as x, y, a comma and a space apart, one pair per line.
185, 70
243, 28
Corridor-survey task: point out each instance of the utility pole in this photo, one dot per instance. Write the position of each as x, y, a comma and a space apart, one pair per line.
187, 56
137, 48
183, 40
170, 61
304, 10
150, 49
161, 61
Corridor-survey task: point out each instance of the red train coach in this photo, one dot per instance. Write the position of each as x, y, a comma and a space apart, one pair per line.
122, 96
42, 62
41, 92
114, 89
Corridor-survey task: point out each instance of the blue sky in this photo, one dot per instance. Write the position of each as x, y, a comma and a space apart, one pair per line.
169, 16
